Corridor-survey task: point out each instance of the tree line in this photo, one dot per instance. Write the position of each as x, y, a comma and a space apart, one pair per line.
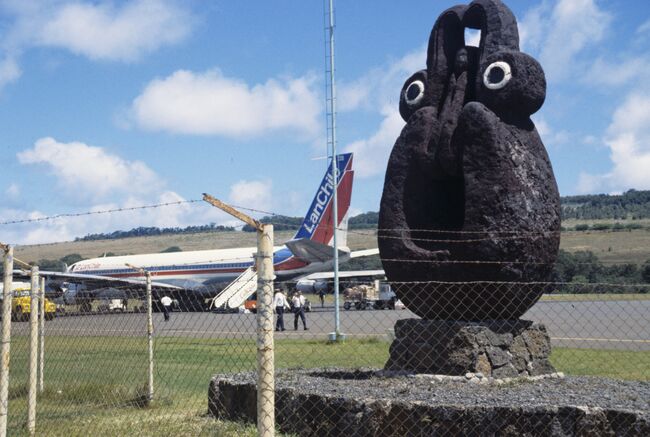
581, 272
149, 231
631, 205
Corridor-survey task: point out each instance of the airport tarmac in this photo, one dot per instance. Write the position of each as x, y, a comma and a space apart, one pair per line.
622, 325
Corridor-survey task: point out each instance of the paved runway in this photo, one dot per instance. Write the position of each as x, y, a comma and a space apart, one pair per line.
623, 325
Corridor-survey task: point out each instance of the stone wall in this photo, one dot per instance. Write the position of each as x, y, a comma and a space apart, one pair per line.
498, 348
307, 413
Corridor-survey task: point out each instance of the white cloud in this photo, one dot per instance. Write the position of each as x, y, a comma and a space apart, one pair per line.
89, 171
628, 137
643, 28
618, 73
110, 182
380, 86
252, 194
13, 191
111, 31
559, 34
9, 71
378, 90
590, 140
550, 136
104, 31
211, 104
371, 154
67, 228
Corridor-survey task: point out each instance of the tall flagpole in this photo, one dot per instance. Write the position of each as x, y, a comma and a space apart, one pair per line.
331, 128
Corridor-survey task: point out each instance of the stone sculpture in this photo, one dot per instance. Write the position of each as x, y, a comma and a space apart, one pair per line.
468, 178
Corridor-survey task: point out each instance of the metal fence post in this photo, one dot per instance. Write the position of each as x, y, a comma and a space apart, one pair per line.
33, 352
265, 276
147, 276
265, 364
41, 337
7, 293
147, 279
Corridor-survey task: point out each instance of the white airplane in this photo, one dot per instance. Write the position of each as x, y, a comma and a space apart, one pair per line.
228, 275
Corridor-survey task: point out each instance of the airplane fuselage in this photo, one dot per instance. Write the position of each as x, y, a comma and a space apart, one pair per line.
196, 269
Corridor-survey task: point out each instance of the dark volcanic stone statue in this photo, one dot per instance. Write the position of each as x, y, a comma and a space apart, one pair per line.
468, 178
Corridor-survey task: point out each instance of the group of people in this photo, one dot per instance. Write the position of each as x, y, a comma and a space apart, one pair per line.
297, 307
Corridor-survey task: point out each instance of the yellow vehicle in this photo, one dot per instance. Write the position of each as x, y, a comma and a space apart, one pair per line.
21, 303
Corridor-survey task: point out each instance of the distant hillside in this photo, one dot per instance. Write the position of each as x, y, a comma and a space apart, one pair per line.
632, 205
153, 231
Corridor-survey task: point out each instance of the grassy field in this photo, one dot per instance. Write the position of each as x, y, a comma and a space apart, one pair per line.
610, 247
362, 239
593, 297
95, 385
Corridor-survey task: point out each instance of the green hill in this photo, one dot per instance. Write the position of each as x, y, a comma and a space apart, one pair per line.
631, 205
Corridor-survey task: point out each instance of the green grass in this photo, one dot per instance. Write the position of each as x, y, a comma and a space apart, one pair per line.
610, 247
632, 365
95, 385
591, 297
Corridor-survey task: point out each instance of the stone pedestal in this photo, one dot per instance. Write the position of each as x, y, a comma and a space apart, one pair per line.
495, 348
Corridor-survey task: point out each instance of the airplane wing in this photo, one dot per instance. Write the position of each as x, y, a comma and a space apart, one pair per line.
95, 281
345, 274
366, 252
312, 251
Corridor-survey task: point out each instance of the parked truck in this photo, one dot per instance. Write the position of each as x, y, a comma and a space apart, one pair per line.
377, 295
21, 303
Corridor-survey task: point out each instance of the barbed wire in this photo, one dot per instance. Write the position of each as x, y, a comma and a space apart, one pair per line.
504, 283
124, 209
399, 260
491, 232
393, 260
105, 211
432, 261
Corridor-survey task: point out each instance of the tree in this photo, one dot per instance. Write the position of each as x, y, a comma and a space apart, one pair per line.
72, 258
645, 272
172, 249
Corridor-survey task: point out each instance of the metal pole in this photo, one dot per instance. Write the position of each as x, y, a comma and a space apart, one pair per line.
265, 364
7, 295
335, 209
41, 336
147, 276
33, 352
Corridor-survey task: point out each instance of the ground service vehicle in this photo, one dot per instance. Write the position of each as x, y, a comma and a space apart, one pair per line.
112, 306
378, 296
21, 304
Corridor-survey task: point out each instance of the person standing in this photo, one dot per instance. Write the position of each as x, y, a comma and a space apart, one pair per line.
298, 302
166, 302
321, 296
280, 303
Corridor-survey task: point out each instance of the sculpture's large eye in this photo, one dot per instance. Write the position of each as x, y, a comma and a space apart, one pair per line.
497, 75
414, 93
412, 96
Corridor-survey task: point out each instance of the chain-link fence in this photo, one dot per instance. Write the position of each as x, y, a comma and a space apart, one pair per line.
576, 362
96, 365
580, 365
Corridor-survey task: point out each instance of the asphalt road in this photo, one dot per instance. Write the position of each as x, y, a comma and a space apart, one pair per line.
623, 325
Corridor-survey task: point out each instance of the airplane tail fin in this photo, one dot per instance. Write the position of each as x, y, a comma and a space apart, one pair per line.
318, 224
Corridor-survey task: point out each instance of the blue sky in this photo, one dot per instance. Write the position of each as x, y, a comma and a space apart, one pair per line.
107, 104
